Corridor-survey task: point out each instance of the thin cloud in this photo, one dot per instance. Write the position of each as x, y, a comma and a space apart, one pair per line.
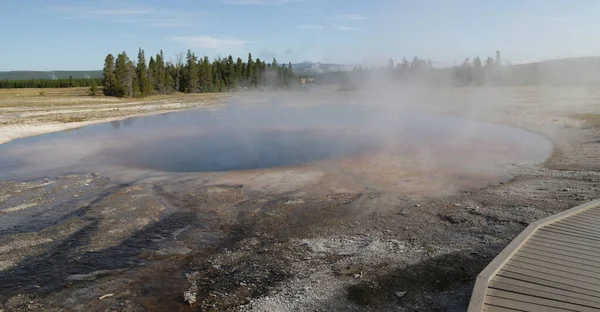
209, 42
344, 28
161, 22
310, 27
83, 11
351, 17
259, 2
118, 12
150, 16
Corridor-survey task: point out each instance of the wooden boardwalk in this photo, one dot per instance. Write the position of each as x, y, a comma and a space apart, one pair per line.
553, 265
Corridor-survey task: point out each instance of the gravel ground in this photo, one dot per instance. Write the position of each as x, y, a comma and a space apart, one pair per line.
89, 242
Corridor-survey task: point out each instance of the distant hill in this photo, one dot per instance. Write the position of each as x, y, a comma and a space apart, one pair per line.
59, 74
568, 71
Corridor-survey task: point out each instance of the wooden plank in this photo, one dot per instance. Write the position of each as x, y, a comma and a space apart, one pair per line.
521, 261
589, 216
592, 213
560, 289
541, 279
582, 217
536, 292
577, 229
567, 239
559, 274
590, 228
582, 223
566, 257
550, 303
565, 248
548, 275
559, 252
559, 244
558, 262
526, 306
491, 308
565, 233
567, 244
567, 213
571, 231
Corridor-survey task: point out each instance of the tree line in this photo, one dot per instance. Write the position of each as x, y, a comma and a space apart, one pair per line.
478, 72
472, 72
46, 83
125, 78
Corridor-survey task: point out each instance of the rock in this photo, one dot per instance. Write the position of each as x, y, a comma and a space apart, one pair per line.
189, 297
417, 205
400, 294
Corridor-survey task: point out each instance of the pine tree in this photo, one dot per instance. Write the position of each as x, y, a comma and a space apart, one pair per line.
124, 75
259, 72
292, 76
170, 73
120, 74
250, 71
169, 84
415, 65
405, 66
498, 58
144, 86
191, 75
240, 68
477, 71
133, 88
93, 87
153, 74
208, 76
109, 79
466, 72
230, 75
161, 74
489, 63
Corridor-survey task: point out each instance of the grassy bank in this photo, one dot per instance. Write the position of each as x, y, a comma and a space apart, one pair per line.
49, 97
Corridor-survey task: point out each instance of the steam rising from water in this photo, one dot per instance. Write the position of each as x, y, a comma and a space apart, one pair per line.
364, 144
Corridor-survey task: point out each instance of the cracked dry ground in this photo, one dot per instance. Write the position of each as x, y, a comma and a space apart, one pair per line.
179, 245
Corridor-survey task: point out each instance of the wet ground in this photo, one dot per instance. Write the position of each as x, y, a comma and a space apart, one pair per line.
340, 213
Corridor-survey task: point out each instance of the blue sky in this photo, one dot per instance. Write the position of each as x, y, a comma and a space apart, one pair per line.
67, 34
